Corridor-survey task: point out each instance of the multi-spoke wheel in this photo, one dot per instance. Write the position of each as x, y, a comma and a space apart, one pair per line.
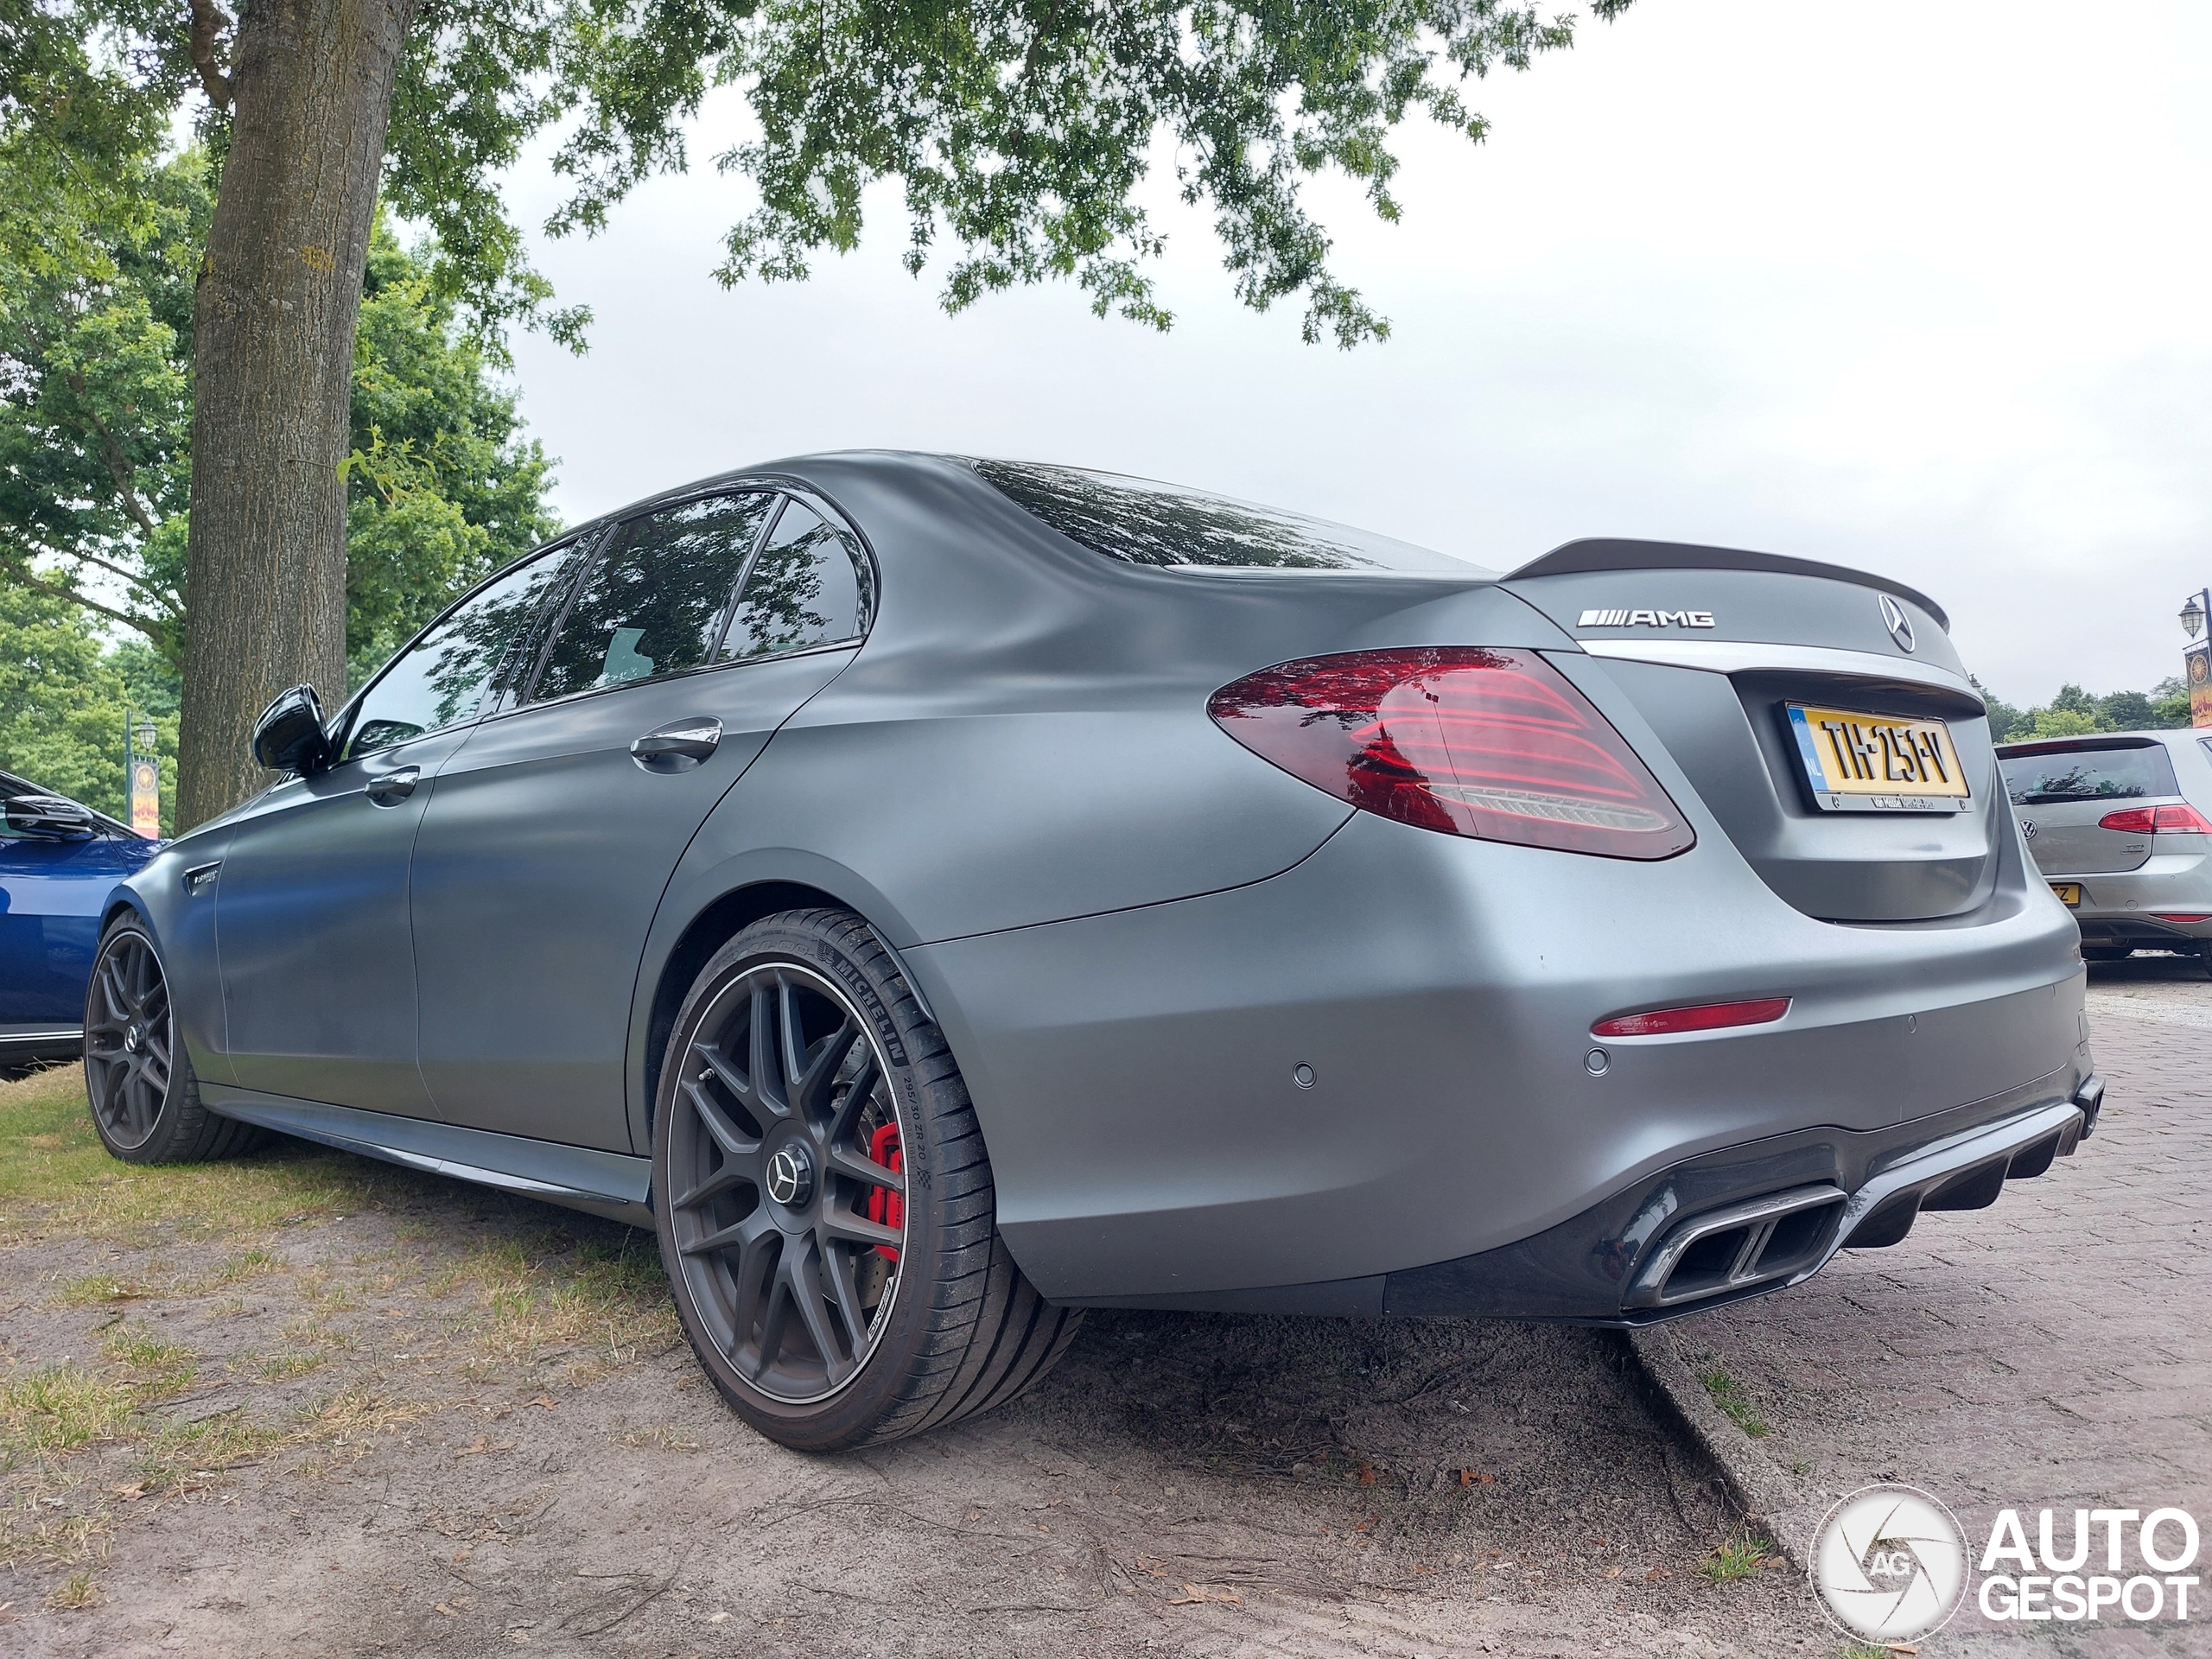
145, 1101
824, 1202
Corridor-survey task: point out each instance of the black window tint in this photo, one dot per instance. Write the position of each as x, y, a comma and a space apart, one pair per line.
810, 586
1138, 522
2087, 774
653, 602
442, 679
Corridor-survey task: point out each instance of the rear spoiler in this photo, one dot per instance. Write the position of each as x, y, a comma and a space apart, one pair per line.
1604, 555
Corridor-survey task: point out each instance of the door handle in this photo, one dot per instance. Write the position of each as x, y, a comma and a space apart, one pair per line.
392, 787
678, 746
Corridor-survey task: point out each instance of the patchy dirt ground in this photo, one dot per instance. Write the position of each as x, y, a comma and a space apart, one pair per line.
311, 1403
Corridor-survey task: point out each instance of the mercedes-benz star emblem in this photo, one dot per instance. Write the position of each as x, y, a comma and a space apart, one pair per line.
1899, 625
791, 1176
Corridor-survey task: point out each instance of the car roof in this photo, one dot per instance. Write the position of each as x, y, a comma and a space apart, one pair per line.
2171, 736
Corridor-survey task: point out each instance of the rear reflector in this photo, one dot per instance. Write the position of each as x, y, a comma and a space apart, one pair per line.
2180, 916
1707, 1016
1464, 739
2157, 820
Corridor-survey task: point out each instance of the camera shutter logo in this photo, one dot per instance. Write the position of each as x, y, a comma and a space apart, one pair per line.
1890, 1564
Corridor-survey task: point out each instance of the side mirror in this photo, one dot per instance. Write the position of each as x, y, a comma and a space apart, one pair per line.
49, 817
289, 735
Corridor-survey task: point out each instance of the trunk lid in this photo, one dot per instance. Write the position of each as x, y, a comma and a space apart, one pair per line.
1714, 646
2066, 787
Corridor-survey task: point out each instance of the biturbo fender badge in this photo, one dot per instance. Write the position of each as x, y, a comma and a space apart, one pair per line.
1898, 624
1604, 619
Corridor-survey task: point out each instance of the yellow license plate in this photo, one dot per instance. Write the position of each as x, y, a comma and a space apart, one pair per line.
2069, 894
1859, 762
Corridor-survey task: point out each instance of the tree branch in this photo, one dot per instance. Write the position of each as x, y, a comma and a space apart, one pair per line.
208, 22
162, 636
119, 467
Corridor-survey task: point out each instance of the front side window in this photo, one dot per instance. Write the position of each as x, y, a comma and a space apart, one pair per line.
443, 677
655, 601
810, 586
2056, 773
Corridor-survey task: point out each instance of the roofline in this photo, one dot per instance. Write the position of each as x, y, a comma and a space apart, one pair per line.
1609, 554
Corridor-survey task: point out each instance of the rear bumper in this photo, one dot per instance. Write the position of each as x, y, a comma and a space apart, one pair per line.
2122, 906
1722, 1228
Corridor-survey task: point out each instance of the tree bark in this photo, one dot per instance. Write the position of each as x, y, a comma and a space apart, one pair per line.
278, 296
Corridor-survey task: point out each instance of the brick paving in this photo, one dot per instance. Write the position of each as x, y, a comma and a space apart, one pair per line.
2052, 1351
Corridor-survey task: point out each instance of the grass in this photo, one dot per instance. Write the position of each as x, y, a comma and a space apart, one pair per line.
58, 1408
1728, 1394
158, 1368
74, 1595
1739, 1559
53, 1165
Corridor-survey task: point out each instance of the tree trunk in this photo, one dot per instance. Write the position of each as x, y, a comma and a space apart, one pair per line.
278, 296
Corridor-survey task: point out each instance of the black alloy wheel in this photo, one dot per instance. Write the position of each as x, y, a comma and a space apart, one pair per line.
144, 1099
129, 1040
825, 1201
786, 1196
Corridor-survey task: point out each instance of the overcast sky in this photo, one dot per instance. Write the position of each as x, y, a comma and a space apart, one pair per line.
1925, 288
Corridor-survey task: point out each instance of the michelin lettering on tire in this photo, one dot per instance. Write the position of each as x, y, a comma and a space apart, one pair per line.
1890, 1564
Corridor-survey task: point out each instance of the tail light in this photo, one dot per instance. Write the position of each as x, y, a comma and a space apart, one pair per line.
1464, 740
2156, 821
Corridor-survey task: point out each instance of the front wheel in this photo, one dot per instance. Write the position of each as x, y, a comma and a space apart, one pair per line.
824, 1202
145, 1100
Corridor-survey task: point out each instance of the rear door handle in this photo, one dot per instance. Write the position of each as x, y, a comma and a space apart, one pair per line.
392, 787
678, 746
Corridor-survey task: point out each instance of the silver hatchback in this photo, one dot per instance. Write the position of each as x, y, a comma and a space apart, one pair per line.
2118, 824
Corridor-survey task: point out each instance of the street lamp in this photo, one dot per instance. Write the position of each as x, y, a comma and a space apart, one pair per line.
2192, 615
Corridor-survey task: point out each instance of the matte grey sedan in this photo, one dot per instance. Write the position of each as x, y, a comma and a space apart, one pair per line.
941, 895
2117, 824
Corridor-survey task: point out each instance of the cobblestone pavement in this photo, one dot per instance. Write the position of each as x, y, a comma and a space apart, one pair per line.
2052, 1351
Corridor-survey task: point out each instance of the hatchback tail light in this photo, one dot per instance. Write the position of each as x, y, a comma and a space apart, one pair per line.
1464, 740
2157, 820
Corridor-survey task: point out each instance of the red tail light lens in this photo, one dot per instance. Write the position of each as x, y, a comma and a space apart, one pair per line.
1707, 1016
2180, 916
2157, 820
1464, 740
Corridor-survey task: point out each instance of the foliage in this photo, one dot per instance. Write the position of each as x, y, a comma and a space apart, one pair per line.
64, 699
440, 488
2076, 713
1021, 132
95, 427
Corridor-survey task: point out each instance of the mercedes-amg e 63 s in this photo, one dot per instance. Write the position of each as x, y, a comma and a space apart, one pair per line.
941, 895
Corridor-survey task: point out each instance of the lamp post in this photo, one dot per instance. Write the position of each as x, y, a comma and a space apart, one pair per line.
2196, 659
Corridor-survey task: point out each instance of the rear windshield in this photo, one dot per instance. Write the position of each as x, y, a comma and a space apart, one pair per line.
1138, 522
2086, 774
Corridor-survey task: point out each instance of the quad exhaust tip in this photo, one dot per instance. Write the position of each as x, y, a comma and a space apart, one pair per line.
1766, 1242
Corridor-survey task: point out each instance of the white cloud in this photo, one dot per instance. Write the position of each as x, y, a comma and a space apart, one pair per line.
1917, 287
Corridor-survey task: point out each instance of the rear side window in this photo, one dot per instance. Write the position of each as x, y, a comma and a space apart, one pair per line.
1138, 522
2052, 775
810, 586
655, 600
442, 677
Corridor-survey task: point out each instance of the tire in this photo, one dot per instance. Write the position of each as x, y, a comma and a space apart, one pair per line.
138, 1081
767, 1198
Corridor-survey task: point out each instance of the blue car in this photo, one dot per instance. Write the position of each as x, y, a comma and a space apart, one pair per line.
58, 862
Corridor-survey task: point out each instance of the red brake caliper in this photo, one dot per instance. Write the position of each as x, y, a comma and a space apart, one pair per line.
883, 1204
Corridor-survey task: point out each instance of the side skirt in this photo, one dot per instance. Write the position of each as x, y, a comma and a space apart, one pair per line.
608, 1184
